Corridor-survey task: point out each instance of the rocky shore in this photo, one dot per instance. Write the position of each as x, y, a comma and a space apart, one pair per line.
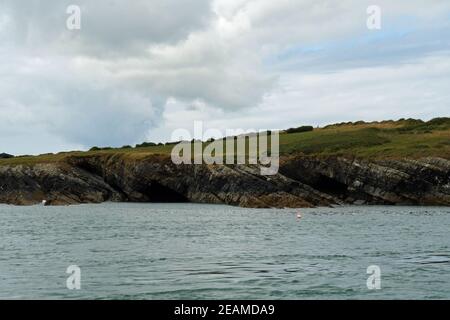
301, 182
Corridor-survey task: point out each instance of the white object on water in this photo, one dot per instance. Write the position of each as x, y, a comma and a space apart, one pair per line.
299, 215
44, 202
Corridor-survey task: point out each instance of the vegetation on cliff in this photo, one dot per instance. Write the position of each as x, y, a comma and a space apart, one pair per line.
392, 162
405, 138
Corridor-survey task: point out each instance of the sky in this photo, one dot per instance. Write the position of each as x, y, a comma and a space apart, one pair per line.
138, 70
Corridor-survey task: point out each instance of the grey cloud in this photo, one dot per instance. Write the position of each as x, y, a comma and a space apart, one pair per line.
109, 83
45, 95
108, 26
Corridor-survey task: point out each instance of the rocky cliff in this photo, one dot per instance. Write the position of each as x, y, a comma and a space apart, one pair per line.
301, 182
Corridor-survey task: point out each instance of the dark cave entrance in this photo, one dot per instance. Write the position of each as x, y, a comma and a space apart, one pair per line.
156, 192
330, 186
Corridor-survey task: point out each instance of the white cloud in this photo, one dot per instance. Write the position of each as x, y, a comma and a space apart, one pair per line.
369, 93
140, 69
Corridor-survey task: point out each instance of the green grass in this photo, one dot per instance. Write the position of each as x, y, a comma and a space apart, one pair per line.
388, 139
331, 141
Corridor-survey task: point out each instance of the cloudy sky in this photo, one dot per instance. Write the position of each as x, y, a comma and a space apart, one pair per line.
137, 70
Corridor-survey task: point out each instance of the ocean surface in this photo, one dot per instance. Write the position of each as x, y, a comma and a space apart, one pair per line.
192, 251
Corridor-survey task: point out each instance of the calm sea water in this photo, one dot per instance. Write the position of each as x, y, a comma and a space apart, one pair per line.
190, 251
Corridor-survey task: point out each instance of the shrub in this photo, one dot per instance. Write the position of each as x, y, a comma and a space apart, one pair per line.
173, 143
300, 129
439, 121
6, 156
99, 149
146, 144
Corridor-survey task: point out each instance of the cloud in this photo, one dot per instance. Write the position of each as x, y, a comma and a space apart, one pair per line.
416, 88
108, 26
367, 93
136, 70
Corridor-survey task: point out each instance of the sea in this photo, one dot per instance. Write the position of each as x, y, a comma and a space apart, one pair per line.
198, 251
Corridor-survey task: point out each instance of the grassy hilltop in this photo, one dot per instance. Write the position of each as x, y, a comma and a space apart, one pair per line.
386, 139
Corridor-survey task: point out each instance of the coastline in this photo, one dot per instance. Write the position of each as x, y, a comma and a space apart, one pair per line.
302, 182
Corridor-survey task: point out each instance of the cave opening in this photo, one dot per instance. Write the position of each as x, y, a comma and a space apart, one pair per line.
330, 186
156, 192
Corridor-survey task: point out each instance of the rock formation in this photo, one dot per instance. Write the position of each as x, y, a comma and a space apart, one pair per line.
301, 182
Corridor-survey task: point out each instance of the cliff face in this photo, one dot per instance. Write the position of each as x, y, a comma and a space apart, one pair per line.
410, 182
301, 182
